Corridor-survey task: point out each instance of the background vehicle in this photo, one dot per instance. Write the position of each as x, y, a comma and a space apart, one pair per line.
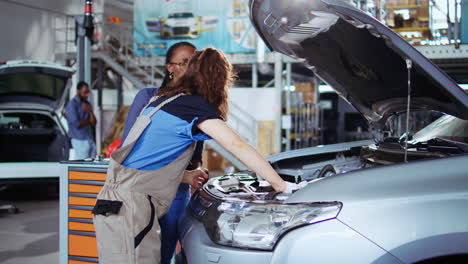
394, 200
181, 24
33, 132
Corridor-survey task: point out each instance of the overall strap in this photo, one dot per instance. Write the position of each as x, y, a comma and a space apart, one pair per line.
151, 100
143, 121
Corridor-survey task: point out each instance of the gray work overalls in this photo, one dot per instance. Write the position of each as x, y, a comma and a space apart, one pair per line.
131, 201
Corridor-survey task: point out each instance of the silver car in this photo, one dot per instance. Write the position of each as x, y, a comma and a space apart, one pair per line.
401, 198
33, 131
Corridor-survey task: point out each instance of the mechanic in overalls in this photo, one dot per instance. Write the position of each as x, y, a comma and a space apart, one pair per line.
177, 58
144, 174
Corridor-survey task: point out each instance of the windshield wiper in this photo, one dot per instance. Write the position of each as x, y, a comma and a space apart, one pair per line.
446, 145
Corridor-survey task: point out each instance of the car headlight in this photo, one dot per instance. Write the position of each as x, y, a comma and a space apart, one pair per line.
260, 225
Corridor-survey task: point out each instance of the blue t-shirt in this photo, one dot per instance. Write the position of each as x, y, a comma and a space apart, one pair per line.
141, 100
172, 129
75, 113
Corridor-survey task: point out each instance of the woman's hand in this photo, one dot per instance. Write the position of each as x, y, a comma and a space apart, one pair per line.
196, 178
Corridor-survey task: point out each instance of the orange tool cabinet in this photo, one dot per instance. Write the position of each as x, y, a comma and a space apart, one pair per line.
80, 184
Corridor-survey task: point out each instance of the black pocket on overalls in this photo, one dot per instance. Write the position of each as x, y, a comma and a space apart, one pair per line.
106, 207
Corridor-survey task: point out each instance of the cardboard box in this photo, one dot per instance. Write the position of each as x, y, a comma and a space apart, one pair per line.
308, 97
308, 91
212, 160
415, 24
407, 23
390, 19
118, 124
423, 13
266, 137
403, 2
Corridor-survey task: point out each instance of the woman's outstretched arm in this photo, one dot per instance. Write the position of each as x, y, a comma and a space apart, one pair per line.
230, 140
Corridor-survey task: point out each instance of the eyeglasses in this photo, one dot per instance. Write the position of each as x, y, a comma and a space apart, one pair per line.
180, 64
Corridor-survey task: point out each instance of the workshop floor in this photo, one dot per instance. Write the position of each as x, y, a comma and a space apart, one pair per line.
32, 235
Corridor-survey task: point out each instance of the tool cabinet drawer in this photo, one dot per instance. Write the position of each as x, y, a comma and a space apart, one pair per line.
83, 185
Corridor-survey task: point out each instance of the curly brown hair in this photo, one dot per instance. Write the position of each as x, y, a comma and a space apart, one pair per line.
209, 75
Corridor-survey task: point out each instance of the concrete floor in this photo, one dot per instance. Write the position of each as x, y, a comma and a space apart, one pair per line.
32, 235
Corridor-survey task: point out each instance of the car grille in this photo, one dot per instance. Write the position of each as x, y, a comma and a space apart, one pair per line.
181, 30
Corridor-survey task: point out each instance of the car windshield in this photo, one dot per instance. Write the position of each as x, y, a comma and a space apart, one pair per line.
181, 15
446, 127
27, 83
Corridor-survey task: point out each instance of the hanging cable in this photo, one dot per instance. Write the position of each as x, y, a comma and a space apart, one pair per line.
409, 65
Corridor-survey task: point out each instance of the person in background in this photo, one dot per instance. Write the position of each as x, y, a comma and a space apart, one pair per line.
80, 118
144, 174
177, 58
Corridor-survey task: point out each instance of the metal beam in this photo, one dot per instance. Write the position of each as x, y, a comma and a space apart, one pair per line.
430, 51
234, 58
100, 82
119, 91
278, 91
288, 105
254, 75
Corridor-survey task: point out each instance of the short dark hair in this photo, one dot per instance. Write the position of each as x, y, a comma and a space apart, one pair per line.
170, 53
171, 50
81, 84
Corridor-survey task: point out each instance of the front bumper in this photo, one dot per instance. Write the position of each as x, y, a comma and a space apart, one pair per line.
326, 242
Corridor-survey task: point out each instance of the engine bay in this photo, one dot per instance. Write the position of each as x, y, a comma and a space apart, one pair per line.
248, 187
313, 167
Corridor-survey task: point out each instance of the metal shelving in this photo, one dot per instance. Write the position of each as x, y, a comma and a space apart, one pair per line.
444, 51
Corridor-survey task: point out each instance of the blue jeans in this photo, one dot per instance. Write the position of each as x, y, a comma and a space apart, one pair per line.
170, 222
83, 148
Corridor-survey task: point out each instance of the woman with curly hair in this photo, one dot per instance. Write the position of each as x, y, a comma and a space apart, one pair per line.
145, 172
177, 58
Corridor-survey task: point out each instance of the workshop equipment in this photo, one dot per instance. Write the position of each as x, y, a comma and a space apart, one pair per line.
80, 184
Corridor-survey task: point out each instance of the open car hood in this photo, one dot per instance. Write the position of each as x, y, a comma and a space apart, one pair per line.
33, 83
362, 59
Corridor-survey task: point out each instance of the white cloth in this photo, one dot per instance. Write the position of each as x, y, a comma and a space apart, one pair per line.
291, 187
